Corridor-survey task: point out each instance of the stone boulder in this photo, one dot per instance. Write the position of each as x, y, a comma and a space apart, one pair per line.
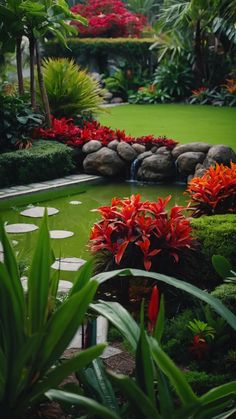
104, 162
126, 151
187, 162
139, 148
117, 100
91, 146
220, 154
113, 145
195, 147
156, 167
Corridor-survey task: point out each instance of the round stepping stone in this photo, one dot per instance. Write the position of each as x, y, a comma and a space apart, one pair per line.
75, 202
68, 264
60, 234
20, 228
36, 212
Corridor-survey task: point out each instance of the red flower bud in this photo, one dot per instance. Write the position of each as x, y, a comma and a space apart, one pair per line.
153, 308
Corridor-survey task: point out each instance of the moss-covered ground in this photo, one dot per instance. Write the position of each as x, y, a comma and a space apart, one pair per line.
184, 123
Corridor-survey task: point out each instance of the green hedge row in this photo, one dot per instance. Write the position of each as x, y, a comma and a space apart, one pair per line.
45, 160
134, 50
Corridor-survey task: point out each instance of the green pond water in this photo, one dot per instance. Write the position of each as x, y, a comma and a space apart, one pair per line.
76, 218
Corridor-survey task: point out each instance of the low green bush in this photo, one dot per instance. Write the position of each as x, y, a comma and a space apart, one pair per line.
201, 381
45, 160
227, 294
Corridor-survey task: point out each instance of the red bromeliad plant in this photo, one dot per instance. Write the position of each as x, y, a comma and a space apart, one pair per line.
214, 192
133, 231
65, 130
108, 18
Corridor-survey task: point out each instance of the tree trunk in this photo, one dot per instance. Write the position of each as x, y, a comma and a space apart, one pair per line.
199, 64
32, 78
42, 88
19, 66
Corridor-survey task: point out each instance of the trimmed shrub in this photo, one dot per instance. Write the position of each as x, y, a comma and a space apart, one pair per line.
201, 381
45, 160
227, 294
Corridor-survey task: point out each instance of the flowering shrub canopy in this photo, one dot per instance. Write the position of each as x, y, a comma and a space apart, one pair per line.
132, 224
108, 18
214, 192
64, 130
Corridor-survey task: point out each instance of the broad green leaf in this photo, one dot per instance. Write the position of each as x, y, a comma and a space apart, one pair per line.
140, 403
39, 280
89, 405
164, 395
120, 318
222, 265
83, 277
63, 325
177, 283
220, 391
175, 376
59, 373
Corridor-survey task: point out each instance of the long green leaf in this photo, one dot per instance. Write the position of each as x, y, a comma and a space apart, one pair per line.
63, 325
59, 373
222, 265
220, 391
83, 277
120, 318
177, 283
108, 396
140, 403
3, 373
176, 377
164, 395
89, 405
159, 327
39, 280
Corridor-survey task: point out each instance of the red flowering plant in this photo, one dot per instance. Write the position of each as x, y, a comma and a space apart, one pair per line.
203, 335
134, 233
108, 18
214, 192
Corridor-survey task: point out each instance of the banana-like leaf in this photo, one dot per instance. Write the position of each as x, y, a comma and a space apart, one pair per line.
175, 376
91, 406
39, 280
58, 374
177, 283
140, 403
120, 318
63, 325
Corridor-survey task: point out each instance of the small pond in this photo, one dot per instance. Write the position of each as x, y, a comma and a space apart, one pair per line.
76, 217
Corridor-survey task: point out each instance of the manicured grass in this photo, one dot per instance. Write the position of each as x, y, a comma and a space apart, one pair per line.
184, 123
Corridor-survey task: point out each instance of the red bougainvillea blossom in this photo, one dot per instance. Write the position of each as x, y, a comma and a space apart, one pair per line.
214, 192
130, 224
153, 308
64, 130
108, 18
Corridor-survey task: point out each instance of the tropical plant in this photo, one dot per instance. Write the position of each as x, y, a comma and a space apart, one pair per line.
150, 393
33, 333
109, 18
148, 8
70, 90
224, 268
149, 94
17, 120
214, 192
132, 231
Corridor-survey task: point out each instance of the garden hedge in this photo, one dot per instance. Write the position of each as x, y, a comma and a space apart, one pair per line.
45, 160
134, 50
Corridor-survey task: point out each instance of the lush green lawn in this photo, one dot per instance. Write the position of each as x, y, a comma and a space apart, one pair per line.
184, 123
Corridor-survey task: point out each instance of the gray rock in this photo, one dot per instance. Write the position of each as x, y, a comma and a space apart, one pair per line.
195, 147
117, 100
163, 150
105, 162
156, 167
199, 170
221, 154
107, 95
126, 151
91, 146
139, 148
187, 162
113, 145
144, 155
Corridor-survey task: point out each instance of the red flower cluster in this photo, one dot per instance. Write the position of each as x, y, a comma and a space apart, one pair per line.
199, 347
108, 18
214, 192
132, 224
64, 130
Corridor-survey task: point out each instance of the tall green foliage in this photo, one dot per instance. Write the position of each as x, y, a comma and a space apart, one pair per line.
33, 333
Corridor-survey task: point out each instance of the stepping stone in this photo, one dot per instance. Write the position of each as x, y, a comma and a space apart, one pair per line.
60, 234
36, 212
75, 202
68, 264
64, 287
20, 228
110, 351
